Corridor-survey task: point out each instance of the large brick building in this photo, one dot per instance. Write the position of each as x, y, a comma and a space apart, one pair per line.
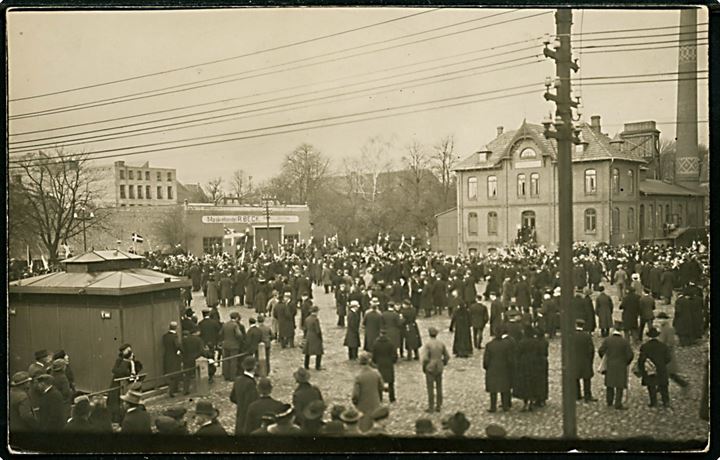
510, 185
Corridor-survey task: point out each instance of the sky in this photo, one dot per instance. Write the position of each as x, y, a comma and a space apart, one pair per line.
285, 75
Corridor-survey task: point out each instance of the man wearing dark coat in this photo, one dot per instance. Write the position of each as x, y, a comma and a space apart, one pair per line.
411, 332
192, 349
392, 323
265, 404
172, 357
667, 282
285, 312
683, 321
522, 293
497, 311
646, 305
630, 307
499, 364
384, 355
125, 369
341, 301
304, 393
531, 370
589, 315
209, 330
239, 286
136, 420
583, 355
232, 335
51, 413
460, 325
313, 340
655, 374
372, 323
478, 319
439, 294
226, 290
207, 416
253, 337
604, 311
426, 297
195, 276
244, 392
352, 333
469, 290
618, 356
21, 415
655, 280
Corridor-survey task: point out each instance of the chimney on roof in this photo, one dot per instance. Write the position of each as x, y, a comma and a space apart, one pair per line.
595, 124
500, 130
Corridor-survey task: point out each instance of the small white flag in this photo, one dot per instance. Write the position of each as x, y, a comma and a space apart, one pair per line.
136, 238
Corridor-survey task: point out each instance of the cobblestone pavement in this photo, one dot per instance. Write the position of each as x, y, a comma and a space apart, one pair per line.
464, 389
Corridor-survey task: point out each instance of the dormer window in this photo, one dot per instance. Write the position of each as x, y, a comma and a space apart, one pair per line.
482, 157
528, 153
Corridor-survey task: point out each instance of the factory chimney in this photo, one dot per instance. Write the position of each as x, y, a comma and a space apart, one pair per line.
687, 158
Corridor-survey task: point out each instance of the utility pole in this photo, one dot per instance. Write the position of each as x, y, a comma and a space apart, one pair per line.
83, 216
566, 135
267, 199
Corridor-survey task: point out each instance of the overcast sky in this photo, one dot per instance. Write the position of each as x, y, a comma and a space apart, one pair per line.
55, 51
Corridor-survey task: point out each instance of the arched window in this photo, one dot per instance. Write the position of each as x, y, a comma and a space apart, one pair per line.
472, 188
616, 180
534, 184
473, 224
631, 181
667, 213
631, 220
528, 153
616, 220
651, 217
528, 219
521, 185
492, 187
590, 220
492, 223
590, 181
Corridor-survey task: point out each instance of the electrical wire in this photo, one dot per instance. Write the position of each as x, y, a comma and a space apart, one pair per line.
613, 50
318, 120
148, 94
281, 98
644, 29
614, 45
283, 108
232, 58
332, 80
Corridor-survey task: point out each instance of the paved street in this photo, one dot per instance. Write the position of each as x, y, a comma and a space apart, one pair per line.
464, 389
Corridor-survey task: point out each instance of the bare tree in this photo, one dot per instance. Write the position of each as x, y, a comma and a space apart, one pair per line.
171, 227
363, 172
214, 188
49, 192
241, 185
304, 169
444, 159
416, 161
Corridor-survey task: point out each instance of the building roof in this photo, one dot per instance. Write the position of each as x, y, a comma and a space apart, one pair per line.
102, 256
441, 213
658, 187
598, 147
108, 283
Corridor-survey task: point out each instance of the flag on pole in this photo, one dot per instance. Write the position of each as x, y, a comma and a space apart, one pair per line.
45, 262
29, 259
136, 238
67, 250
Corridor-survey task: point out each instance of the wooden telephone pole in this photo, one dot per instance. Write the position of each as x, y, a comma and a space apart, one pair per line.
565, 135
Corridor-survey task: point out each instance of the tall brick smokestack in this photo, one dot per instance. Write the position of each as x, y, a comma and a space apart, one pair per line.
687, 159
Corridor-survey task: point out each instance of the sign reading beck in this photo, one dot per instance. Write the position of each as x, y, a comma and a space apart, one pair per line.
248, 219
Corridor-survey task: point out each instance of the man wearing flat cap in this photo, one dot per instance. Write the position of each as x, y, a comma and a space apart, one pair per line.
21, 416
434, 357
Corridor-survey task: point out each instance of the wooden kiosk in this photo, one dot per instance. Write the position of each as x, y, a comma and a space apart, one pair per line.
102, 300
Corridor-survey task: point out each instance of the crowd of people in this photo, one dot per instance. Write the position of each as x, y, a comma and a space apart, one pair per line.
383, 291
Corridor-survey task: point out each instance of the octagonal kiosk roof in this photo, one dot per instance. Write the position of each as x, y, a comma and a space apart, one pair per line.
112, 272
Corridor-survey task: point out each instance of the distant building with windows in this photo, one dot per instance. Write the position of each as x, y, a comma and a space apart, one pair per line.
508, 190
123, 184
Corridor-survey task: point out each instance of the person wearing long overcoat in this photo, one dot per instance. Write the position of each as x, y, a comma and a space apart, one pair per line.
667, 282
313, 340
352, 333
579, 276
392, 323
226, 290
583, 355
522, 293
212, 298
594, 270
372, 322
261, 296
172, 357
286, 312
367, 387
244, 392
658, 379
196, 277
411, 332
531, 372
469, 290
460, 325
589, 316
439, 294
52, 412
618, 356
630, 307
697, 314
683, 322
241, 277
384, 355
655, 280
497, 311
478, 319
604, 311
426, 297
499, 361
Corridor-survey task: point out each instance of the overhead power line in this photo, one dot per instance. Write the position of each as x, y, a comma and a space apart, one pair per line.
643, 29
627, 50
282, 98
231, 58
183, 87
614, 45
281, 108
332, 80
318, 120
